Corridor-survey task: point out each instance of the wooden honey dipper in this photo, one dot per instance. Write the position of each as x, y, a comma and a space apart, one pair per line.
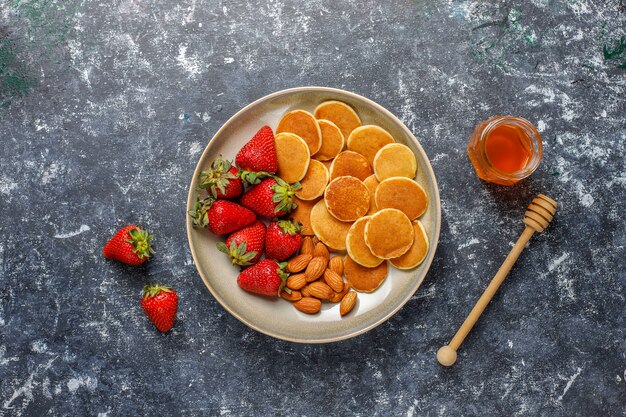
537, 217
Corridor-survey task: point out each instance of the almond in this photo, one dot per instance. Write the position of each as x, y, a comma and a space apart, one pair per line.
296, 281
308, 305
336, 297
305, 291
315, 268
321, 250
316, 240
307, 246
294, 296
298, 263
333, 280
336, 264
320, 290
347, 303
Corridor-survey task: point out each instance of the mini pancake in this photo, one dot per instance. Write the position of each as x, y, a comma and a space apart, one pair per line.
403, 194
332, 141
418, 250
303, 124
314, 182
395, 160
364, 279
302, 214
372, 183
352, 164
293, 157
368, 140
389, 233
340, 114
347, 198
356, 247
329, 230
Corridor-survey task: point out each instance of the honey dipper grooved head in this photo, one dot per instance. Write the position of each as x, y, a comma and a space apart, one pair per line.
540, 212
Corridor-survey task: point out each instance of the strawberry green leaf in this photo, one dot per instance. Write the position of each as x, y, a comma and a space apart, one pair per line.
199, 214
152, 290
290, 227
140, 238
238, 254
253, 178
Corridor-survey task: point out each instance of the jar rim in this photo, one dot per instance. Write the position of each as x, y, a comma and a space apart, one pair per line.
531, 132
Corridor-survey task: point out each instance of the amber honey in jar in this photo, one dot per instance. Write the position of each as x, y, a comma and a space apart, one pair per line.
505, 149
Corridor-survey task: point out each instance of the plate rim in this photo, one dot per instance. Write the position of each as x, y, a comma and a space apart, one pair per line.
427, 262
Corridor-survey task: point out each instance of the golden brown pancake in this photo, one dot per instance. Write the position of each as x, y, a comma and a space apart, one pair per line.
418, 250
347, 198
332, 141
303, 124
352, 164
364, 279
389, 233
368, 140
340, 114
395, 160
403, 194
293, 156
372, 183
302, 214
314, 182
329, 230
356, 247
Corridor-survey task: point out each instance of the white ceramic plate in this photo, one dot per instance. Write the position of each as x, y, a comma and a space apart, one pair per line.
277, 317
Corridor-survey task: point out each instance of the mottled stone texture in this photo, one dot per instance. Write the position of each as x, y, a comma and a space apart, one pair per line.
106, 107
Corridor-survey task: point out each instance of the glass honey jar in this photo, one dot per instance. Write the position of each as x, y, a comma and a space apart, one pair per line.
505, 149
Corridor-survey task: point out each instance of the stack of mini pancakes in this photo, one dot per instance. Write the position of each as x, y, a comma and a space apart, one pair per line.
358, 193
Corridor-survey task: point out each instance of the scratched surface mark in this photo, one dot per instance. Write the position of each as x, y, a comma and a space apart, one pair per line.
105, 109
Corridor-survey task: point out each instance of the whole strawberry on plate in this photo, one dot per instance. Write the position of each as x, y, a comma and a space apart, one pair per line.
245, 246
283, 239
257, 158
266, 277
221, 180
160, 304
220, 216
273, 197
130, 245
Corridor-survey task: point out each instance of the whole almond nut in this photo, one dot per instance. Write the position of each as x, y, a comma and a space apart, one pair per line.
336, 297
347, 303
298, 263
296, 281
308, 305
305, 291
294, 296
307, 246
333, 280
320, 290
315, 268
321, 250
336, 264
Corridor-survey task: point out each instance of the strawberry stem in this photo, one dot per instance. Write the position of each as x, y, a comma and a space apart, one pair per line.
152, 290
140, 238
238, 254
199, 214
252, 177
284, 195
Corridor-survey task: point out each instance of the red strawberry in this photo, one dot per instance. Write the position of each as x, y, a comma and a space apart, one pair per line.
160, 304
130, 245
220, 216
283, 239
259, 154
267, 277
245, 246
222, 180
273, 197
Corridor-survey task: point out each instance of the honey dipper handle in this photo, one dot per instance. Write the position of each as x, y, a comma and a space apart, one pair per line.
484, 299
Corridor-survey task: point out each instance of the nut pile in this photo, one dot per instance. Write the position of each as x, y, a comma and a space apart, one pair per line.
316, 277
